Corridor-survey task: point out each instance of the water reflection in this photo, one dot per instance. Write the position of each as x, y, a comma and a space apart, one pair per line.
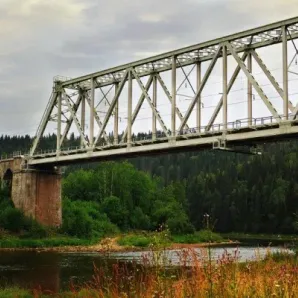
56, 271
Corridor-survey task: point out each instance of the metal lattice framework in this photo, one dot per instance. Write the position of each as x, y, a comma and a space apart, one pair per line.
70, 98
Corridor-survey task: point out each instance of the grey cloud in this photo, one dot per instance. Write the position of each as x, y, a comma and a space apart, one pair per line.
103, 34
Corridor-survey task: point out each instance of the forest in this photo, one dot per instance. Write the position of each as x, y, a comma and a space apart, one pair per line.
238, 193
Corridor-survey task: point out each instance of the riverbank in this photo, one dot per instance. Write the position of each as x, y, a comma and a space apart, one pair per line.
262, 239
112, 245
143, 241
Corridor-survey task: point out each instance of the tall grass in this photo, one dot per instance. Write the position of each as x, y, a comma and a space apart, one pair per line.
195, 275
198, 276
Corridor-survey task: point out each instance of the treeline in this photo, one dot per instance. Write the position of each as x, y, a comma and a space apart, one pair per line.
241, 193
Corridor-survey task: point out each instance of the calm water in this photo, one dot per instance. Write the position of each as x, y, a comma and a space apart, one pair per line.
55, 271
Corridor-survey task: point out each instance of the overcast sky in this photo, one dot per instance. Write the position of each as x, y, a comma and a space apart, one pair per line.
44, 38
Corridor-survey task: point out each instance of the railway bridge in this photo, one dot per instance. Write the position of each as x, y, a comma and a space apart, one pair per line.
174, 96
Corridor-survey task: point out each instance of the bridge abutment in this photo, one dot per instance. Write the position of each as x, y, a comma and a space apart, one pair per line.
37, 192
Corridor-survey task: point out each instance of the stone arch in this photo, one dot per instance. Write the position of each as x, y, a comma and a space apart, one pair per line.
7, 179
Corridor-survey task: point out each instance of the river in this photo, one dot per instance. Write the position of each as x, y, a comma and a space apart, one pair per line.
55, 271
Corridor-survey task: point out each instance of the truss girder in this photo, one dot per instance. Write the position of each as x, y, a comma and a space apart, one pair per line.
64, 108
253, 39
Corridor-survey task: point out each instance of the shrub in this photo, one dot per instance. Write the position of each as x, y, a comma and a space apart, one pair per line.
198, 237
139, 220
84, 219
207, 235
115, 210
180, 224
34, 230
12, 219
135, 240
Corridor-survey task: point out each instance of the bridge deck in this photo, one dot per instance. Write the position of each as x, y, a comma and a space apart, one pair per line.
263, 130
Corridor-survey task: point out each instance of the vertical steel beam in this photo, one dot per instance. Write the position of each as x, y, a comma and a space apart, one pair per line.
249, 90
231, 84
174, 88
91, 126
204, 81
129, 109
225, 87
59, 114
199, 103
154, 99
285, 72
137, 107
83, 115
116, 117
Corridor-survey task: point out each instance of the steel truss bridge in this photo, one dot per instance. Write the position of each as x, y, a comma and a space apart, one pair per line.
84, 105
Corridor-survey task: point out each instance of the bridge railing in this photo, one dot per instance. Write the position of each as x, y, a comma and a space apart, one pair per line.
204, 131
11, 155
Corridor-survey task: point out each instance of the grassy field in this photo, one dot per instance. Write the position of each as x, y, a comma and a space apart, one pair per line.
14, 242
165, 239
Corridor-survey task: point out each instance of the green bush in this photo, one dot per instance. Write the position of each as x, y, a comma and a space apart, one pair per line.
180, 224
207, 235
85, 220
135, 240
116, 211
78, 224
12, 220
202, 236
146, 239
34, 230
139, 220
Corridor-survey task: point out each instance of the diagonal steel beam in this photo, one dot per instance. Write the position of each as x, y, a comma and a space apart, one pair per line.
230, 85
138, 107
154, 110
204, 81
270, 77
253, 82
167, 92
186, 77
99, 123
44, 121
70, 120
105, 95
75, 119
111, 108
295, 112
